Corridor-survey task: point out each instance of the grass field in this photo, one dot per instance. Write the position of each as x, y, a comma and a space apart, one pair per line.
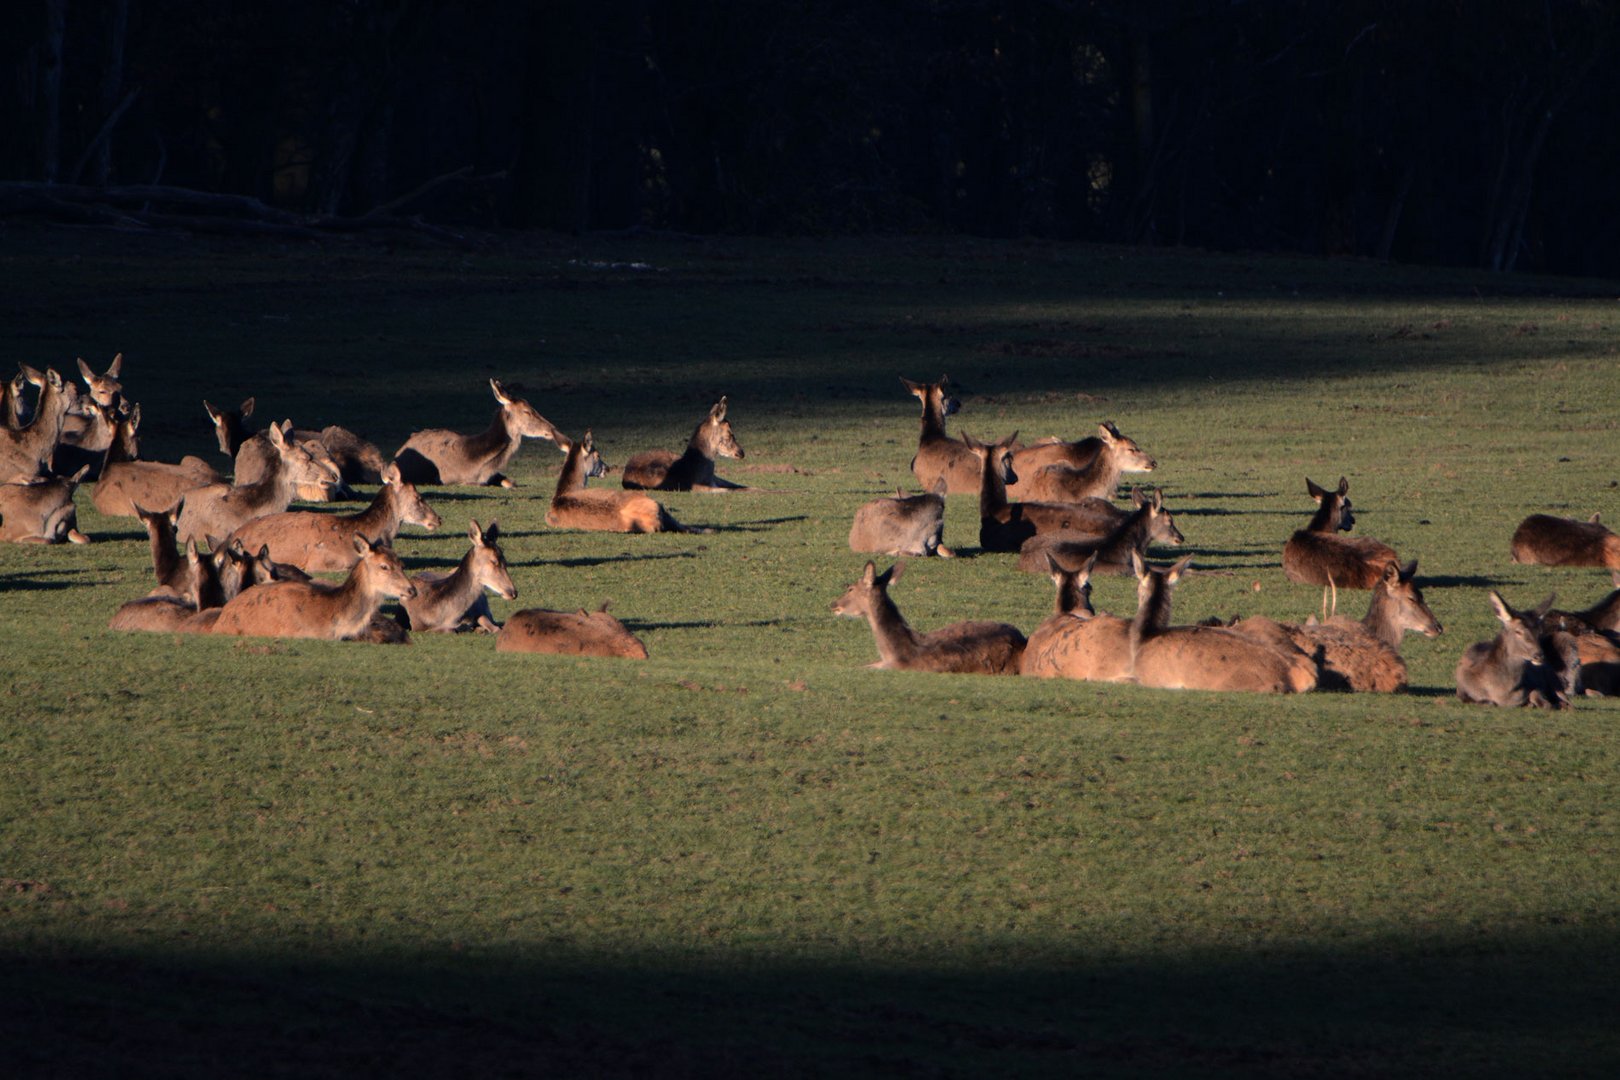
748, 854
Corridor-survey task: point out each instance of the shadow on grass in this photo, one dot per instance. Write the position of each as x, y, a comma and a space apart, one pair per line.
1493, 1004
1458, 581
761, 525
603, 560
704, 624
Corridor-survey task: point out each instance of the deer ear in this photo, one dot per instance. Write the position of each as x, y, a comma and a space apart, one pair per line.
390, 473
1138, 566
718, 413
213, 413
1596, 519
276, 436
915, 388
116, 366
1541, 609
1344, 486
499, 392
1314, 490
52, 379
1008, 441
492, 533
1054, 567
1392, 574
474, 533
84, 370
1179, 569
1504, 614
1138, 496
893, 573
1107, 431
134, 418
1091, 564
1409, 571
78, 476
869, 575
247, 407
362, 545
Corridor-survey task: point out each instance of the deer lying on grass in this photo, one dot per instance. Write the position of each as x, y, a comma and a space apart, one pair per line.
1317, 555
1602, 617
1005, 526
903, 525
221, 509
318, 542
1205, 657
440, 456
450, 602
570, 633
660, 470
1524, 665
86, 449
1149, 523
317, 609
357, 461
166, 612
573, 506
26, 452
975, 648
1554, 541
1070, 472
127, 481
938, 455
41, 511
1075, 642
202, 582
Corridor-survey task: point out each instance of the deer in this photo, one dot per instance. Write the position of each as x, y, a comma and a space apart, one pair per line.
440, 456
14, 408
1070, 472
573, 506
166, 612
1602, 617
1317, 555
321, 543
83, 425
1545, 540
1361, 655
126, 481
316, 609
975, 647
1076, 642
938, 455
569, 633
1149, 523
357, 461
221, 509
41, 511
25, 452
1204, 657
1515, 669
449, 602
693, 470
1003, 525
103, 389
902, 525
86, 446
201, 582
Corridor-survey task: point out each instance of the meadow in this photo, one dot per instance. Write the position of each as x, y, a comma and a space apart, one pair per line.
748, 854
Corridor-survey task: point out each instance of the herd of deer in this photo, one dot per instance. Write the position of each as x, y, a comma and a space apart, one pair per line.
232, 558
1064, 523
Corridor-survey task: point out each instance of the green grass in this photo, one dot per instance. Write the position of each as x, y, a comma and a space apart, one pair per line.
749, 854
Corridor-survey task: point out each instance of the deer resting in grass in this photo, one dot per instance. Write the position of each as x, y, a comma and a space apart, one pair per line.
457, 600
317, 542
1006, 526
441, 456
693, 470
573, 506
1523, 665
902, 525
1318, 555
317, 609
41, 511
357, 461
975, 648
221, 509
1149, 523
938, 455
1070, 472
26, 452
1205, 657
570, 633
1076, 642
165, 612
127, 481
1554, 541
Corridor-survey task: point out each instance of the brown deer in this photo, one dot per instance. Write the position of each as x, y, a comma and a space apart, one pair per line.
84, 424
1149, 523
1363, 655
1317, 555
573, 506
570, 633
165, 612
85, 447
177, 575
1602, 617
1063, 472
1075, 642
1515, 668
1003, 525
104, 389
449, 602
1554, 541
14, 409
938, 455
320, 543
26, 452
661, 470
221, 509
973, 648
903, 525
357, 461
317, 609
127, 481
1204, 657
440, 456
41, 511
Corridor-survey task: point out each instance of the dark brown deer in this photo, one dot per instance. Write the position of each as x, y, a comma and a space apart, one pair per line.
1602, 617
573, 506
165, 612
938, 455
1205, 657
903, 525
441, 456
976, 647
14, 409
221, 509
26, 452
317, 609
1149, 523
457, 600
1515, 668
1004, 525
1554, 541
127, 481
1047, 473
1076, 642
357, 461
85, 446
41, 511
1317, 555
661, 470
569, 633
324, 543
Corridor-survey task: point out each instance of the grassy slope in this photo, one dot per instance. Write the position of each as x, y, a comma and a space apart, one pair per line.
750, 854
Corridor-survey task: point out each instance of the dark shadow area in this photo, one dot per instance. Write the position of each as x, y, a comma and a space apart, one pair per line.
705, 624
110, 537
762, 525
601, 560
1225, 494
1458, 581
1489, 1003
27, 583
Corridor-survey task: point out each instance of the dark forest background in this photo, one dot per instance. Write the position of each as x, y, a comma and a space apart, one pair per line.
1477, 132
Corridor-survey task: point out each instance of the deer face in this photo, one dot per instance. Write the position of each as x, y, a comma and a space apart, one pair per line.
411, 506
489, 561
718, 438
934, 397
521, 418
104, 388
1132, 457
384, 570
1412, 614
857, 601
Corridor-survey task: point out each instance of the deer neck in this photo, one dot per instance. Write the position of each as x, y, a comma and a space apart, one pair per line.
1153, 613
461, 587
276, 488
46, 430
495, 443
380, 520
1382, 619
933, 423
353, 602
1130, 535
896, 640
122, 447
992, 488
1071, 598
572, 477
1326, 518
165, 559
